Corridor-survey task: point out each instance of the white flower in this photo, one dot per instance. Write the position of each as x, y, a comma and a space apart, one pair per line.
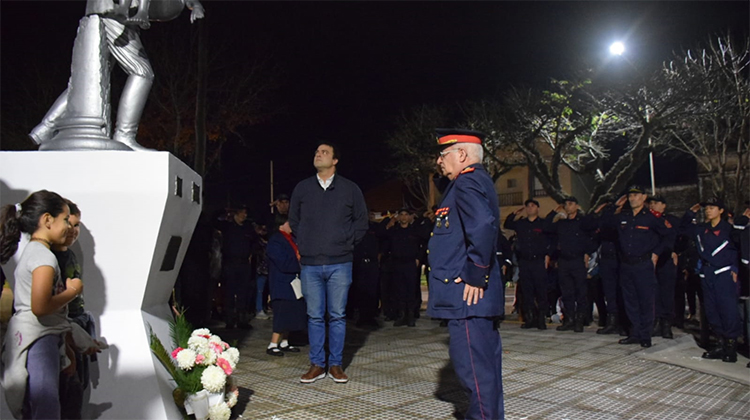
200, 331
213, 379
232, 355
220, 411
215, 339
199, 344
231, 399
186, 359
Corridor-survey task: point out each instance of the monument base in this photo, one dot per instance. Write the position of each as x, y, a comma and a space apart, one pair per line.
138, 214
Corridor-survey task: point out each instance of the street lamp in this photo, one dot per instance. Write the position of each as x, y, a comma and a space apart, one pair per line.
618, 48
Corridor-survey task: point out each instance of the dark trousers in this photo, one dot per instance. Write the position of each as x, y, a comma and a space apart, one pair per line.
608, 271
533, 280
387, 294
365, 289
720, 298
239, 289
664, 299
573, 285
43, 384
638, 282
595, 296
476, 353
405, 284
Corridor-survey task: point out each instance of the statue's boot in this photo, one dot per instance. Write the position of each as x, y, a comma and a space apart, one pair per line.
46, 129
129, 112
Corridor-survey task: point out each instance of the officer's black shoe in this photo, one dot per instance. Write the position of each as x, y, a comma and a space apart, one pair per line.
646, 343
568, 325
623, 332
666, 330
730, 351
715, 353
657, 328
528, 319
541, 320
400, 322
629, 340
579, 322
410, 319
611, 327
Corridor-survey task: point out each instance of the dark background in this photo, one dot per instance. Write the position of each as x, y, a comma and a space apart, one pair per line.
350, 68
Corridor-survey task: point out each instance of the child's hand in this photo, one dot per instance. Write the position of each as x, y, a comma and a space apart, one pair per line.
75, 284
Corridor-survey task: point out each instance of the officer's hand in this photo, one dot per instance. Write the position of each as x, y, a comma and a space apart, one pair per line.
600, 208
546, 262
504, 269
674, 258
559, 208
695, 208
734, 279
517, 212
391, 223
471, 294
746, 213
654, 259
417, 260
586, 259
621, 201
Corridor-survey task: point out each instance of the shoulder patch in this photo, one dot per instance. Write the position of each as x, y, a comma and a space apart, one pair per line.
467, 170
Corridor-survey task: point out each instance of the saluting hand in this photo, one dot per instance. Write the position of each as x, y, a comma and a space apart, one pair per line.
519, 211
600, 208
621, 201
472, 294
695, 208
654, 259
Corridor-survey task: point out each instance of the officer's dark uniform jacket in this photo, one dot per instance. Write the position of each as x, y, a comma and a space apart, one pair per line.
639, 235
531, 241
670, 241
715, 244
572, 241
463, 245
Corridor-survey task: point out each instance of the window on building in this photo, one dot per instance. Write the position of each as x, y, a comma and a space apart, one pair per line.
512, 183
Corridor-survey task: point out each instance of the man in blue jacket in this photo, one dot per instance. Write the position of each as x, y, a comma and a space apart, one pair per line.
328, 216
465, 283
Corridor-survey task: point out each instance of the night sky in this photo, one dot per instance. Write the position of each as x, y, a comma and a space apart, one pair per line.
350, 68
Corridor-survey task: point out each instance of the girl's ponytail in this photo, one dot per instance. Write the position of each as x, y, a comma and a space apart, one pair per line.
24, 217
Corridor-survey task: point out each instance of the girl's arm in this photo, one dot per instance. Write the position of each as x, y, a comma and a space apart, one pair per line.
42, 300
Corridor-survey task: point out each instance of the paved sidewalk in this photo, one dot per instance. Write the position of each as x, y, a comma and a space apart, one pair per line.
403, 373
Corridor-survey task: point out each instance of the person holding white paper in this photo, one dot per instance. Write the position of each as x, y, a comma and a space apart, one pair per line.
289, 308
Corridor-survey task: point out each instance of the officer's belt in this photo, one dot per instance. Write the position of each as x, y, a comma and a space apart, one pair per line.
627, 259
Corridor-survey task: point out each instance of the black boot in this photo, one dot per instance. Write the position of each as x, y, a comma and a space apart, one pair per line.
410, 322
541, 319
730, 351
657, 328
666, 329
715, 353
528, 319
400, 319
580, 321
611, 327
568, 324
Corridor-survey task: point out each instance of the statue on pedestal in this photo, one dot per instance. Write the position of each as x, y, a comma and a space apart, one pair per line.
80, 117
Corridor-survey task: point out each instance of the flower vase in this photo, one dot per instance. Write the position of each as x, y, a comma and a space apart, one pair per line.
199, 403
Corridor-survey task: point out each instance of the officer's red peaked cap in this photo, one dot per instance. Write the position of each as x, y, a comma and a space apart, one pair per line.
448, 136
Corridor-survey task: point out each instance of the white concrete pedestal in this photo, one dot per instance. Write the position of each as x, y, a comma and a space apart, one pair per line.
134, 205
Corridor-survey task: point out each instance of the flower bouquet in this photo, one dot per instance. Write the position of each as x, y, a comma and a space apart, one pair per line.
201, 365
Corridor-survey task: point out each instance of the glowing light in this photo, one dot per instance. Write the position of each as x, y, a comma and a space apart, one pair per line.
617, 48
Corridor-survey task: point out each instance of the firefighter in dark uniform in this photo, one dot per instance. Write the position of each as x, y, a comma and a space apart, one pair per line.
365, 287
609, 271
641, 236
742, 228
574, 245
716, 241
666, 273
532, 251
465, 281
404, 245
504, 256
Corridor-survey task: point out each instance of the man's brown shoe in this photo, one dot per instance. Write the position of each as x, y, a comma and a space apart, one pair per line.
312, 375
338, 375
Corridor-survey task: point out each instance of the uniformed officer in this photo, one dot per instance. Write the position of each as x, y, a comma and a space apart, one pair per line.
716, 246
532, 251
666, 273
404, 245
365, 288
742, 227
642, 236
573, 244
465, 280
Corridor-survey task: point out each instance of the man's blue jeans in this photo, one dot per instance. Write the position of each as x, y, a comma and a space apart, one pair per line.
326, 287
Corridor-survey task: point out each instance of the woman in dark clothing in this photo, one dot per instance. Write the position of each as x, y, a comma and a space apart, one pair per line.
289, 313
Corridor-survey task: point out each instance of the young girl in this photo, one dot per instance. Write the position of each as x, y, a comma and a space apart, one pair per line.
33, 350
718, 253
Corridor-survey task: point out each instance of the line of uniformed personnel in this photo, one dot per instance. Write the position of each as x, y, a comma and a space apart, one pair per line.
637, 254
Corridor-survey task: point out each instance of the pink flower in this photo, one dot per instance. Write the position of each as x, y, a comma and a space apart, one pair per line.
216, 347
225, 345
199, 358
222, 363
175, 351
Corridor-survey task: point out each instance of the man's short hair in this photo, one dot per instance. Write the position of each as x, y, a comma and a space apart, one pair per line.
475, 151
334, 147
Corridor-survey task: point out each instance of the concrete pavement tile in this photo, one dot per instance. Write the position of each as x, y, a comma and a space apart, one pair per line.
262, 407
601, 374
633, 393
737, 408
430, 409
552, 395
698, 387
309, 397
511, 363
384, 380
346, 408
568, 413
575, 362
605, 404
533, 357
515, 388
425, 388
579, 385
551, 369
531, 378
696, 402
389, 398
525, 408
